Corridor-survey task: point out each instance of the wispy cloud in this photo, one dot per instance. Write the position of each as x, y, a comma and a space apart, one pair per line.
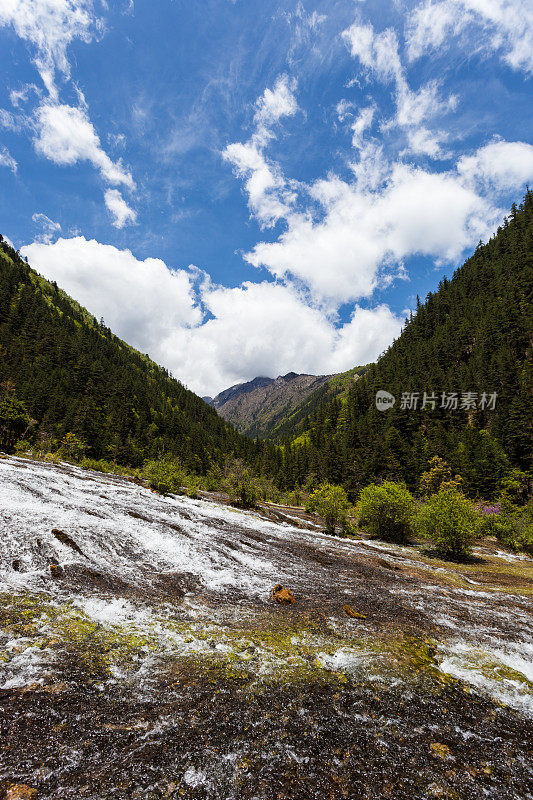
503, 26
268, 196
48, 228
6, 159
49, 26
62, 133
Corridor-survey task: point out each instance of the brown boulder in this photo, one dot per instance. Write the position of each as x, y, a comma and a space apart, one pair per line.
282, 595
20, 791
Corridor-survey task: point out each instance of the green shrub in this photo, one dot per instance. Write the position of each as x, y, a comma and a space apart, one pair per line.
72, 447
15, 421
514, 528
247, 493
450, 521
331, 503
164, 475
23, 446
386, 511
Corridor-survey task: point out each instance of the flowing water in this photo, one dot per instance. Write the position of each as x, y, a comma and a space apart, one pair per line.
142, 654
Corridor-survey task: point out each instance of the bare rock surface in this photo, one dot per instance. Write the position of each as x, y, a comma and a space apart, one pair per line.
153, 662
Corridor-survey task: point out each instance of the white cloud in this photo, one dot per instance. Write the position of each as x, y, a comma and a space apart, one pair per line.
277, 102
486, 25
379, 54
269, 198
269, 329
256, 328
65, 135
499, 165
50, 26
19, 96
143, 301
121, 212
48, 227
6, 159
424, 142
343, 253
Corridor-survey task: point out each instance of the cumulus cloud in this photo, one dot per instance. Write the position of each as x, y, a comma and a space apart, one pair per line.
269, 329
344, 253
49, 26
6, 159
504, 26
344, 238
268, 196
500, 165
120, 211
143, 301
210, 336
66, 135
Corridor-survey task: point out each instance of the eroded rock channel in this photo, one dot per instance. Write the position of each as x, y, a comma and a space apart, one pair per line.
143, 654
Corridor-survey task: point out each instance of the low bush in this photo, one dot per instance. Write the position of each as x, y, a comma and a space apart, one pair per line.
386, 511
513, 528
331, 503
164, 475
101, 465
450, 521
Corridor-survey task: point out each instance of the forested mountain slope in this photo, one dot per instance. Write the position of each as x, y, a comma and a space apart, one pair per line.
472, 335
73, 374
298, 420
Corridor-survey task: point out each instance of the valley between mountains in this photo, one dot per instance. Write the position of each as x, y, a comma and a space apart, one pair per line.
145, 656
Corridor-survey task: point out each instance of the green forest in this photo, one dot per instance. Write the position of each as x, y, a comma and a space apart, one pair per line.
460, 372
74, 376
472, 337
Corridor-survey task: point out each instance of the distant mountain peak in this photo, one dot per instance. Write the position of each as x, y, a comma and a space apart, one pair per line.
256, 406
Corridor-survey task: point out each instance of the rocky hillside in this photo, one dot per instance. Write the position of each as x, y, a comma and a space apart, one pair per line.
258, 406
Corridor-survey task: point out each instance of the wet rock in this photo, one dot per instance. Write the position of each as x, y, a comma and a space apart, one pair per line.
64, 538
282, 595
386, 564
351, 612
436, 791
20, 791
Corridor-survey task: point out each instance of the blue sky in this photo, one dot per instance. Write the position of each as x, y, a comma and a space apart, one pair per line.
244, 188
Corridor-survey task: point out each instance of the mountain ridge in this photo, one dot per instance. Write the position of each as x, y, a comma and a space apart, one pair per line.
255, 407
